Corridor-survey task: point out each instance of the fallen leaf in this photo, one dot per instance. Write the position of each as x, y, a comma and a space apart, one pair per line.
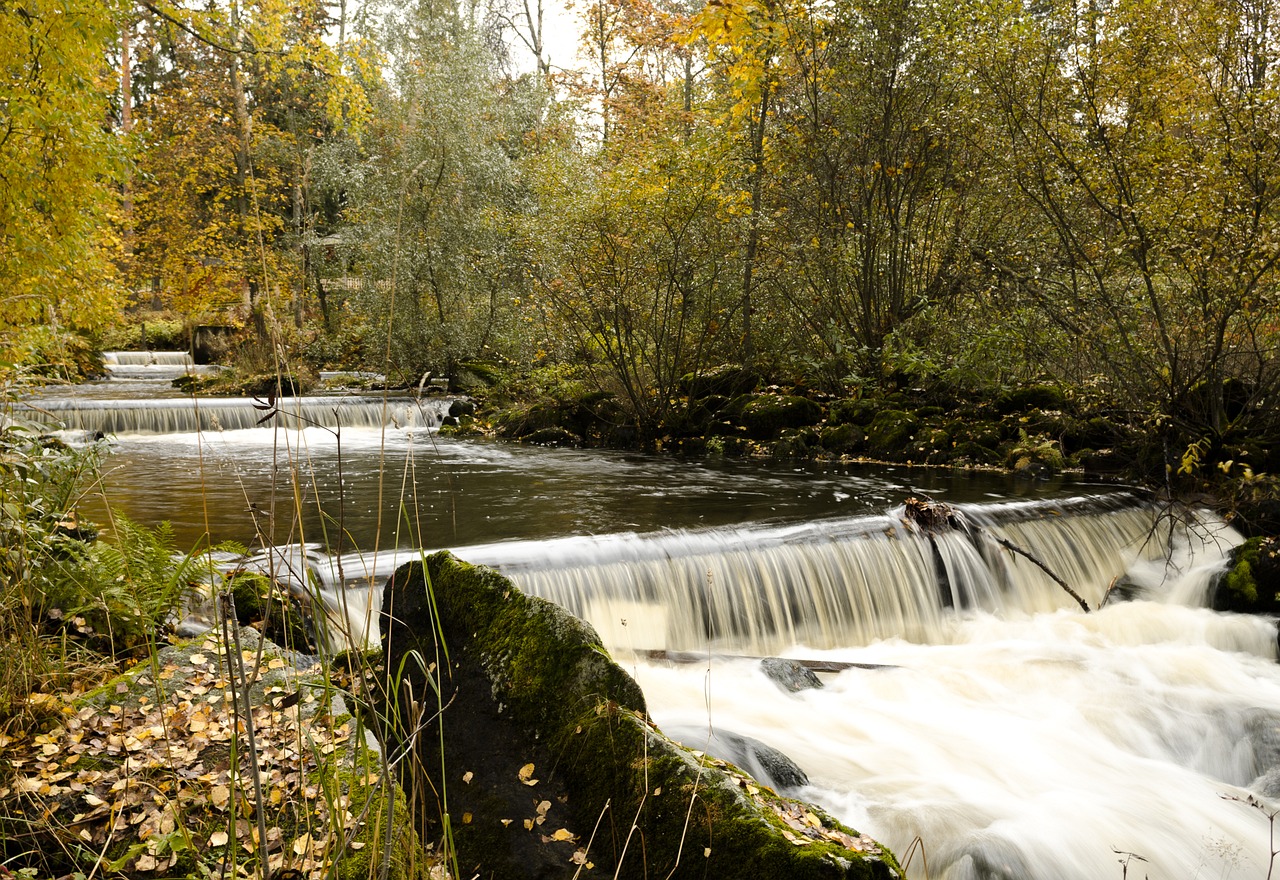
525, 772
468, 776
219, 796
218, 838
563, 834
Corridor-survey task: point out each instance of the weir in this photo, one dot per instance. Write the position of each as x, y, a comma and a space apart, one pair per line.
830, 583
188, 415
147, 358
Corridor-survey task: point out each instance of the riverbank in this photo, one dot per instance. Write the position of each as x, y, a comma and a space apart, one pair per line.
1034, 431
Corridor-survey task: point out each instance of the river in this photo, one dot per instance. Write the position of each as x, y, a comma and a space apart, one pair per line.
1001, 733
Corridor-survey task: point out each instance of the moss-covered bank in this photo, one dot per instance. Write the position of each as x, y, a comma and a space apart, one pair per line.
1251, 583
535, 750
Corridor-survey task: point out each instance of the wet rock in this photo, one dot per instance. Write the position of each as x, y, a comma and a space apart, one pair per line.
554, 436
462, 408
790, 675
766, 764
549, 758
839, 439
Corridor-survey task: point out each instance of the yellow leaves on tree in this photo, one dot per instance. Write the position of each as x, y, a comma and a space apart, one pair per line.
57, 165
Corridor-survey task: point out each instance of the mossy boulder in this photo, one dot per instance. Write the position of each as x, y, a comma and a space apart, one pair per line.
273, 610
793, 445
550, 763
1031, 397
1251, 583
151, 774
553, 436
767, 415
841, 439
891, 431
853, 412
728, 381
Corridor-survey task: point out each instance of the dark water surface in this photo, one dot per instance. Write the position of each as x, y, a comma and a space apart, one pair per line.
417, 489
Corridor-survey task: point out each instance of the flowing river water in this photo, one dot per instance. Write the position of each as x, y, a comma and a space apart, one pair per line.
989, 718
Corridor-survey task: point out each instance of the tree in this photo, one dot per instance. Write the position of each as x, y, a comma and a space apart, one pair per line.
1146, 142
59, 165
431, 203
636, 269
233, 104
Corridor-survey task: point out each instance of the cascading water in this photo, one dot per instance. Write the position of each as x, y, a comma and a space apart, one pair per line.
825, 583
146, 358
1015, 735
187, 415
983, 712
158, 366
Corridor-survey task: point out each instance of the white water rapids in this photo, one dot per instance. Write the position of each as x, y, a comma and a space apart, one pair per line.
1011, 734
1017, 738
1037, 748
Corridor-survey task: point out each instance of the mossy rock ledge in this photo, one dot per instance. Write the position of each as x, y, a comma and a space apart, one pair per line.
150, 776
1251, 582
534, 749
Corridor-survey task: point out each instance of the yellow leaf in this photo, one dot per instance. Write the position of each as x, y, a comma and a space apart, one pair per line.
562, 834
219, 796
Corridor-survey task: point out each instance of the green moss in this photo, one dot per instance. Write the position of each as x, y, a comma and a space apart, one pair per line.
841, 438
1238, 588
1031, 397
767, 415
1241, 583
890, 432
567, 707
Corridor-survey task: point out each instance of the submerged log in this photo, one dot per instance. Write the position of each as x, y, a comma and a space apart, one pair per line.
530, 752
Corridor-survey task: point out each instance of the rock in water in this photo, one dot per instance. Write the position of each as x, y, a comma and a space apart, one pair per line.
765, 763
534, 751
790, 675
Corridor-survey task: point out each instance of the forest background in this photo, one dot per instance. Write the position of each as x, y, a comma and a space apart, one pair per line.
851, 199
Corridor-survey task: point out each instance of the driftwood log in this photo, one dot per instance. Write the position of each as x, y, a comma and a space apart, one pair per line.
933, 517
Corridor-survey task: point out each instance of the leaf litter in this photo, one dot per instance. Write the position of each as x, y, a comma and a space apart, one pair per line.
133, 770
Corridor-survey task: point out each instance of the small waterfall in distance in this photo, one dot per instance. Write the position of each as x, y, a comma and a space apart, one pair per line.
145, 358
187, 415
151, 366
830, 583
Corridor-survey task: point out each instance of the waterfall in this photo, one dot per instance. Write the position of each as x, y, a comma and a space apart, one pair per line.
145, 358
187, 415
827, 583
